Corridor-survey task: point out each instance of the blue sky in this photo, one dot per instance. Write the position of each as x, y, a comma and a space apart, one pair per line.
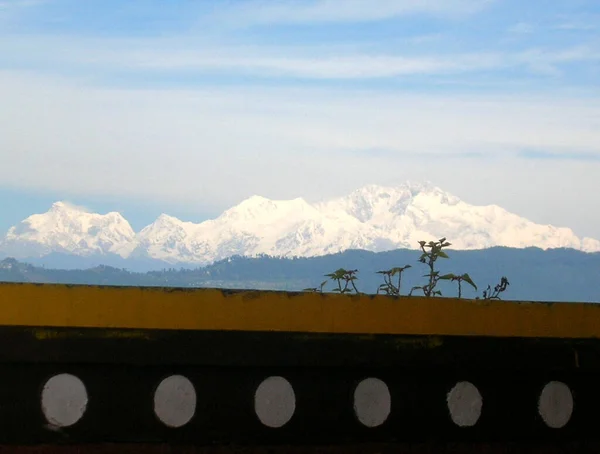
189, 108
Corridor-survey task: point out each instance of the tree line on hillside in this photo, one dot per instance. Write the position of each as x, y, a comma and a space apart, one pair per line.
551, 275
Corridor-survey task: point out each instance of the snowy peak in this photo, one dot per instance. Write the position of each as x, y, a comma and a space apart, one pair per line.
164, 221
373, 217
165, 228
375, 203
67, 228
261, 210
66, 207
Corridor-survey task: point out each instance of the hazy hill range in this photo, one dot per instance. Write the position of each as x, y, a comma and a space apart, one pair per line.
534, 274
372, 218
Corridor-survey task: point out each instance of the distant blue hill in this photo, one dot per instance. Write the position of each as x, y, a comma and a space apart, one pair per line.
74, 262
534, 274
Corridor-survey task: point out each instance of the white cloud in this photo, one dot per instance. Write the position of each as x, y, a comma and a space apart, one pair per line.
335, 67
301, 11
578, 22
521, 28
577, 26
550, 61
212, 147
176, 56
75, 206
17, 4
11, 10
365, 66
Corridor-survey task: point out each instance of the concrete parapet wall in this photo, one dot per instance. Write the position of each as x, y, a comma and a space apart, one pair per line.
212, 309
201, 368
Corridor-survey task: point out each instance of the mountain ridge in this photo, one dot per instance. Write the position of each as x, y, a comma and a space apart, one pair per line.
534, 274
374, 218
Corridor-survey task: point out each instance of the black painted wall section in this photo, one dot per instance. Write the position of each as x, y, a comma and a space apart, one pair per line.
121, 370
120, 407
247, 348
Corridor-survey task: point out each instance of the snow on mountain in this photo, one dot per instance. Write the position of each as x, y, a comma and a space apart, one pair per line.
165, 237
257, 225
406, 214
68, 229
374, 218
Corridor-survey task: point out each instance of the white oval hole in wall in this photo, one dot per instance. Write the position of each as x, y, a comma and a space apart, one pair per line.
175, 401
64, 400
275, 402
464, 404
372, 402
555, 404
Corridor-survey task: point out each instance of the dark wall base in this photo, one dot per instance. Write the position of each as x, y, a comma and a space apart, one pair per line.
122, 368
120, 407
372, 448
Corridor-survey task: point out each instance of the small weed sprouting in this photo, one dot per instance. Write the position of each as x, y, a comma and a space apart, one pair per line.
460, 279
388, 286
488, 294
429, 257
431, 252
316, 289
347, 277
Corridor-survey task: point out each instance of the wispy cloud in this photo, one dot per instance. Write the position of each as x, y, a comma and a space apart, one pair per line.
367, 66
75, 206
10, 10
308, 62
319, 11
299, 97
589, 21
550, 61
17, 4
197, 54
331, 67
395, 155
521, 28
188, 144
560, 155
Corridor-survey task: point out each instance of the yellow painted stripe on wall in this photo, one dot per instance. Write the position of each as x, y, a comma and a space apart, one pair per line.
211, 309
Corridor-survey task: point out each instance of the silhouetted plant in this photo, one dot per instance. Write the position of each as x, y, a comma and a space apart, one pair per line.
460, 279
431, 252
347, 277
316, 289
488, 294
388, 286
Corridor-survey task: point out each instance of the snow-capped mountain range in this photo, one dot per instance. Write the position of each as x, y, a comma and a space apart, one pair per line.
374, 218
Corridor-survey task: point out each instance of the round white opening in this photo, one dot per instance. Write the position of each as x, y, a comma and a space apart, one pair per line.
464, 404
555, 404
274, 402
372, 402
64, 400
175, 401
